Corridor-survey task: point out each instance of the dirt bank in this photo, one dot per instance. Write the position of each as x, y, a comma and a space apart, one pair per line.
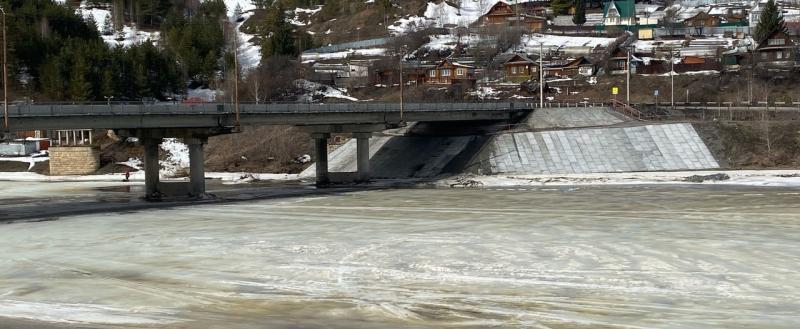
753, 145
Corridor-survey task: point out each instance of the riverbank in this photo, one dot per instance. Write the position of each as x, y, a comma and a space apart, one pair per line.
777, 178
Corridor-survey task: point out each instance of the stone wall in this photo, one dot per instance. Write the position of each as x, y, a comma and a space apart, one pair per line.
78, 160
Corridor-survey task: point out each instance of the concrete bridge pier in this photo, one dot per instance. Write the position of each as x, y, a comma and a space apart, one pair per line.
362, 156
195, 139
151, 168
197, 172
321, 157
361, 133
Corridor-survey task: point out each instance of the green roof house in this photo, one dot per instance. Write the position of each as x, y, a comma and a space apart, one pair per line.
619, 12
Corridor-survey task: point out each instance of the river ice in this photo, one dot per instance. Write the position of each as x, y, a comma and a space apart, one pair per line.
565, 257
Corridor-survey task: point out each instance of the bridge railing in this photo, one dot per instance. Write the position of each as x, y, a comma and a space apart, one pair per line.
56, 109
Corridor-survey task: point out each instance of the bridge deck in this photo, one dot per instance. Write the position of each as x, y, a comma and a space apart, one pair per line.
143, 116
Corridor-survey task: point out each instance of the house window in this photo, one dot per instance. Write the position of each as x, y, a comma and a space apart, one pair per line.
446, 72
432, 73
776, 42
764, 56
779, 55
513, 70
461, 72
787, 54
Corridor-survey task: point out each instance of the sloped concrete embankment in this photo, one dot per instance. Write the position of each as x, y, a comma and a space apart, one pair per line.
625, 149
574, 117
570, 140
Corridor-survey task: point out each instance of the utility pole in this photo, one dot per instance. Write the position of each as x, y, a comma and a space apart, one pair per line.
541, 75
628, 78
402, 94
5, 73
236, 73
671, 77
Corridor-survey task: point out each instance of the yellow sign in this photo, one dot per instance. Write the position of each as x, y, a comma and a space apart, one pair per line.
614, 90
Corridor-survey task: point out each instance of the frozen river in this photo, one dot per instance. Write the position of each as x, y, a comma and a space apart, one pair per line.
588, 257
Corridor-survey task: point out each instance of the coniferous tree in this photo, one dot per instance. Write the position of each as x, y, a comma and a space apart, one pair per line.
80, 89
770, 21
580, 13
281, 41
108, 25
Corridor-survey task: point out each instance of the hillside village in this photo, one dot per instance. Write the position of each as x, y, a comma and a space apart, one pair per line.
493, 50
312, 51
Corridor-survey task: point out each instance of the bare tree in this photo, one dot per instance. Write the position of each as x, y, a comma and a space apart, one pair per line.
670, 20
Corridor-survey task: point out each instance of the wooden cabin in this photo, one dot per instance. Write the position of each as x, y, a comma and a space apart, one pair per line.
520, 67
618, 62
449, 72
530, 15
702, 20
777, 51
571, 68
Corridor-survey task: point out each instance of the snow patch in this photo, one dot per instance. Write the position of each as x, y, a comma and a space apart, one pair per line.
315, 91
177, 157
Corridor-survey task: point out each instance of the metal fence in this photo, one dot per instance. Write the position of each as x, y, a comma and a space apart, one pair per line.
351, 45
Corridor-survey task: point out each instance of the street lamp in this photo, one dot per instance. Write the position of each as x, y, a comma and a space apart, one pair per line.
108, 100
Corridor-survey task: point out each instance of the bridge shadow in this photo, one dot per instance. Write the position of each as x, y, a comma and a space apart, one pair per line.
122, 200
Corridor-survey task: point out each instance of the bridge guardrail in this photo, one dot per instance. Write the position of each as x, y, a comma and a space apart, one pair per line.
53, 109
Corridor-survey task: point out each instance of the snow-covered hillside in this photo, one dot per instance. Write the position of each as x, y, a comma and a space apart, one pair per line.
442, 14
249, 52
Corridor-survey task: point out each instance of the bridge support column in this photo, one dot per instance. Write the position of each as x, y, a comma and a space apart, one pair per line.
151, 168
321, 155
362, 156
197, 172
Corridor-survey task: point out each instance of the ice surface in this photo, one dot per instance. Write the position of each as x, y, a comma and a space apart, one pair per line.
572, 257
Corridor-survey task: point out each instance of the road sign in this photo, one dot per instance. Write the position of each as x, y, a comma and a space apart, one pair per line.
614, 90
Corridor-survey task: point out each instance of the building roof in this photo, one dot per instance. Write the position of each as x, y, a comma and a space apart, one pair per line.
764, 45
519, 58
625, 8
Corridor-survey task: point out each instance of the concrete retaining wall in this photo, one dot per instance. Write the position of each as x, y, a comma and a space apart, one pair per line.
74, 160
572, 117
628, 149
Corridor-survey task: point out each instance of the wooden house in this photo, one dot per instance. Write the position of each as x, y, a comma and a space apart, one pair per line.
570, 68
618, 62
449, 72
520, 67
776, 51
701, 21
530, 15
619, 12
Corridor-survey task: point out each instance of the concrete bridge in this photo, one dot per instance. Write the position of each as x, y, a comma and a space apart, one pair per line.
195, 123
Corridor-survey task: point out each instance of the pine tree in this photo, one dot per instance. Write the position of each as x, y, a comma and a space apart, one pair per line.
80, 89
108, 25
770, 21
580, 13
282, 40
107, 83
237, 13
